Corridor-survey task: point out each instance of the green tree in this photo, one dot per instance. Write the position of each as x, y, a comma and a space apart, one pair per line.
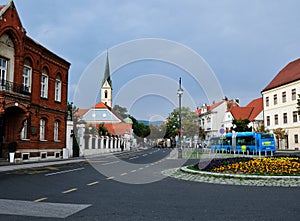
140, 129
188, 123
241, 125
72, 114
102, 130
121, 110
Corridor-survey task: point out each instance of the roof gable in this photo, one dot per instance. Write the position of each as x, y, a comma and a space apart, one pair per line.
10, 18
241, 113
250, 112
289, 74
257, 105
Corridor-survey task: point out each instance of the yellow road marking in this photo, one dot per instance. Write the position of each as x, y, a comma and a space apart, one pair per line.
110, 178
70, 190
39, 200
93, 183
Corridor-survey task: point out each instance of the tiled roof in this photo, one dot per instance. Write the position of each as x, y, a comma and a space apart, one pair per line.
257, 104
249, 112
288, 74
213, 106
100, 105
81, 112
241, 113
118, 129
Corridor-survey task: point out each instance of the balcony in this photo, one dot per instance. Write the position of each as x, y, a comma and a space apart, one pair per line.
13, 87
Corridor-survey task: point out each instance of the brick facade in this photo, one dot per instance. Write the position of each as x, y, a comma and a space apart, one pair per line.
24, 99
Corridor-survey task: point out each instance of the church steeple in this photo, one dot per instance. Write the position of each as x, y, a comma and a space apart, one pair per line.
107, 72
106, 89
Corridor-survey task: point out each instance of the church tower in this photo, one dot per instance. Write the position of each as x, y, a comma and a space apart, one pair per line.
106, 89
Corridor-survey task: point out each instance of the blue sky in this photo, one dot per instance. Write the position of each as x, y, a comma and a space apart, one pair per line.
245, 43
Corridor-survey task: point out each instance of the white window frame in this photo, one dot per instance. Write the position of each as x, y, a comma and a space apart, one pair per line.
44, 86
294, 94
58, 90
27, 76
42, 129
56, 130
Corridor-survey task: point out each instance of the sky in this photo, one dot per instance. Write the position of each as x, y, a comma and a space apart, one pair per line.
239, 45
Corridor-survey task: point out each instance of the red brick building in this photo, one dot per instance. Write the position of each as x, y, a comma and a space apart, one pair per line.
33, 92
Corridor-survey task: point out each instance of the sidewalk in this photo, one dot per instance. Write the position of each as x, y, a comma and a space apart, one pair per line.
6, 166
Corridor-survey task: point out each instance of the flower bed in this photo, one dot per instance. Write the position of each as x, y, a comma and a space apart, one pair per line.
256, 166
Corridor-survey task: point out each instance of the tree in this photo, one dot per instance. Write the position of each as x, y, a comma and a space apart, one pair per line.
102, 130
140, 129
241, 125
72, 111
279, 134
262, 129
188, 123
121, 110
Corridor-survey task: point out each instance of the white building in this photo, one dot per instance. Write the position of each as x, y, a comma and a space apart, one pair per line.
280, 104
211, 117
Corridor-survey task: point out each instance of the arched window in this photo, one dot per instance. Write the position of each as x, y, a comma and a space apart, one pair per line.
27, 75
44, 83
56, 130
7, 60
42, 129
58, 88
24, 131
3, 73
105, 94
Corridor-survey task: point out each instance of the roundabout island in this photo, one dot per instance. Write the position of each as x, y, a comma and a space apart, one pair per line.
263, 171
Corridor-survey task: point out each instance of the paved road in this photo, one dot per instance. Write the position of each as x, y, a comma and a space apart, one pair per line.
79, 192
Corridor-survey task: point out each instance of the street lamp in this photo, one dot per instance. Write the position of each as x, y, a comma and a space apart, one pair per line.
179, 93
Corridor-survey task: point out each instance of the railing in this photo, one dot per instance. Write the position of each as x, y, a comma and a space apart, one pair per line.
13, 87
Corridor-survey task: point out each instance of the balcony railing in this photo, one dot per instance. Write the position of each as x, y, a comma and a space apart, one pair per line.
13, 87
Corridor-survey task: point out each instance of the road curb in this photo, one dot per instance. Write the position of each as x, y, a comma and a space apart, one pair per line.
185, 169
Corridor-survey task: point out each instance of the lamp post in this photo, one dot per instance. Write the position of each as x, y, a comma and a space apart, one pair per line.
179, 93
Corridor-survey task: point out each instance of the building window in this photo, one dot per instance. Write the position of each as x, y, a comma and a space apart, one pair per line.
27, 78
3, 72
267, 101
296, 138
268, 120
24, 131
56, 127
295, 116
44, 86
283, 97
105, 94
285, 118
293, 94
57, 90
42, 129
276, 119
275, 99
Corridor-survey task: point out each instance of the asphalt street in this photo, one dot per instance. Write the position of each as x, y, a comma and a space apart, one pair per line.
129, 186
